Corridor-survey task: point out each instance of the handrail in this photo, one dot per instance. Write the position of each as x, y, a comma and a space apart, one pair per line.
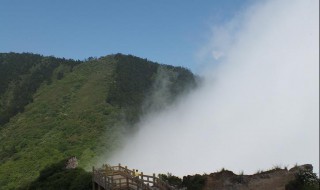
115, 177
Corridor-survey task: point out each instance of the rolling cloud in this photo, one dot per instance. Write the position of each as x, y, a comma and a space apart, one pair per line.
257, 108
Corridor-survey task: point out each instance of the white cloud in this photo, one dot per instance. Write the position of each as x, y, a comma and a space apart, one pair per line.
259, 108
217, 54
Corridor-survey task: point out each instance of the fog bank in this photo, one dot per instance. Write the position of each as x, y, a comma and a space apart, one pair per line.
257, 107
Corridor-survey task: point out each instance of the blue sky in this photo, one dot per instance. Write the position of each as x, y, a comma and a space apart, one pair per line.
167, 31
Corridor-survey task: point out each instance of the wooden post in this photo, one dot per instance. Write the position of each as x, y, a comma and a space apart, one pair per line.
111, 182
154, 179
93, 183
127, 182
105, 182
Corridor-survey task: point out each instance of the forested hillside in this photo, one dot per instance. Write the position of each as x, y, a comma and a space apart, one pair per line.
21, 75
53, 108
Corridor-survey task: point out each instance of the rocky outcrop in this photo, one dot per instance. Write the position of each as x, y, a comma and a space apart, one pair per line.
71, 163
275, 179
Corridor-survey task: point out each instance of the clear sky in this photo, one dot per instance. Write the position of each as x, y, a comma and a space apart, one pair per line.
166, 31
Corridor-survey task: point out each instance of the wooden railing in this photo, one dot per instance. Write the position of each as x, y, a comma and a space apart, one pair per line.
119, 177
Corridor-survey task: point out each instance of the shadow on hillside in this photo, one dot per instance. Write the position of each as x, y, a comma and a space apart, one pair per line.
56, 176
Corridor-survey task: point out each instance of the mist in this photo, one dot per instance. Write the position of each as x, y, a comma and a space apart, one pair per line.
257, 107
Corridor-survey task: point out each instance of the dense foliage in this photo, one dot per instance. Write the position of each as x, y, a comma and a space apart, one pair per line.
135, 80
68, 108
195, 182
172, 180
55, 176
21, 75
304, 180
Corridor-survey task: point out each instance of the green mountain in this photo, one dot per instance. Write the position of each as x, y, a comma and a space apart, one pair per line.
53, 108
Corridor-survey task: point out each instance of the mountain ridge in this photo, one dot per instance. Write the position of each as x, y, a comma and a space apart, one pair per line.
68, 110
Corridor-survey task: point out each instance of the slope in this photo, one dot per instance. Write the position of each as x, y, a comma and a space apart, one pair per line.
69, 115
22, 74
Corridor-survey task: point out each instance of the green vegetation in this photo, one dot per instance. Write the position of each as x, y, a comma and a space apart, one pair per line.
134, 79
56, 176
64, 108
304, 180
195, 182
172, 180
20, 77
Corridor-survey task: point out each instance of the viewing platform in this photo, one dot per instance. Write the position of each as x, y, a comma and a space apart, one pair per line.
121, 178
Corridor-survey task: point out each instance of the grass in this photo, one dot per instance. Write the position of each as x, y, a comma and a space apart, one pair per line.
259, 171
70, 117
65, 119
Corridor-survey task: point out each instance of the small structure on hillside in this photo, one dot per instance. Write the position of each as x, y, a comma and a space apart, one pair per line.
71, 163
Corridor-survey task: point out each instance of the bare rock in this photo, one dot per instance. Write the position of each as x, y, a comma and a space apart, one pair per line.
306, 167
274, 179
72, 163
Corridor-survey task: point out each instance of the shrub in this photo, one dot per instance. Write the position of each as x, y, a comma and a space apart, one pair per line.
195, 182
56, 176
171, 179
304, 180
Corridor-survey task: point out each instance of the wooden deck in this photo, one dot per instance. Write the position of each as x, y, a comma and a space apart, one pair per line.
122, 178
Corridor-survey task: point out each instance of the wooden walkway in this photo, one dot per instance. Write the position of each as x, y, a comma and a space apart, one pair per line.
122, 178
